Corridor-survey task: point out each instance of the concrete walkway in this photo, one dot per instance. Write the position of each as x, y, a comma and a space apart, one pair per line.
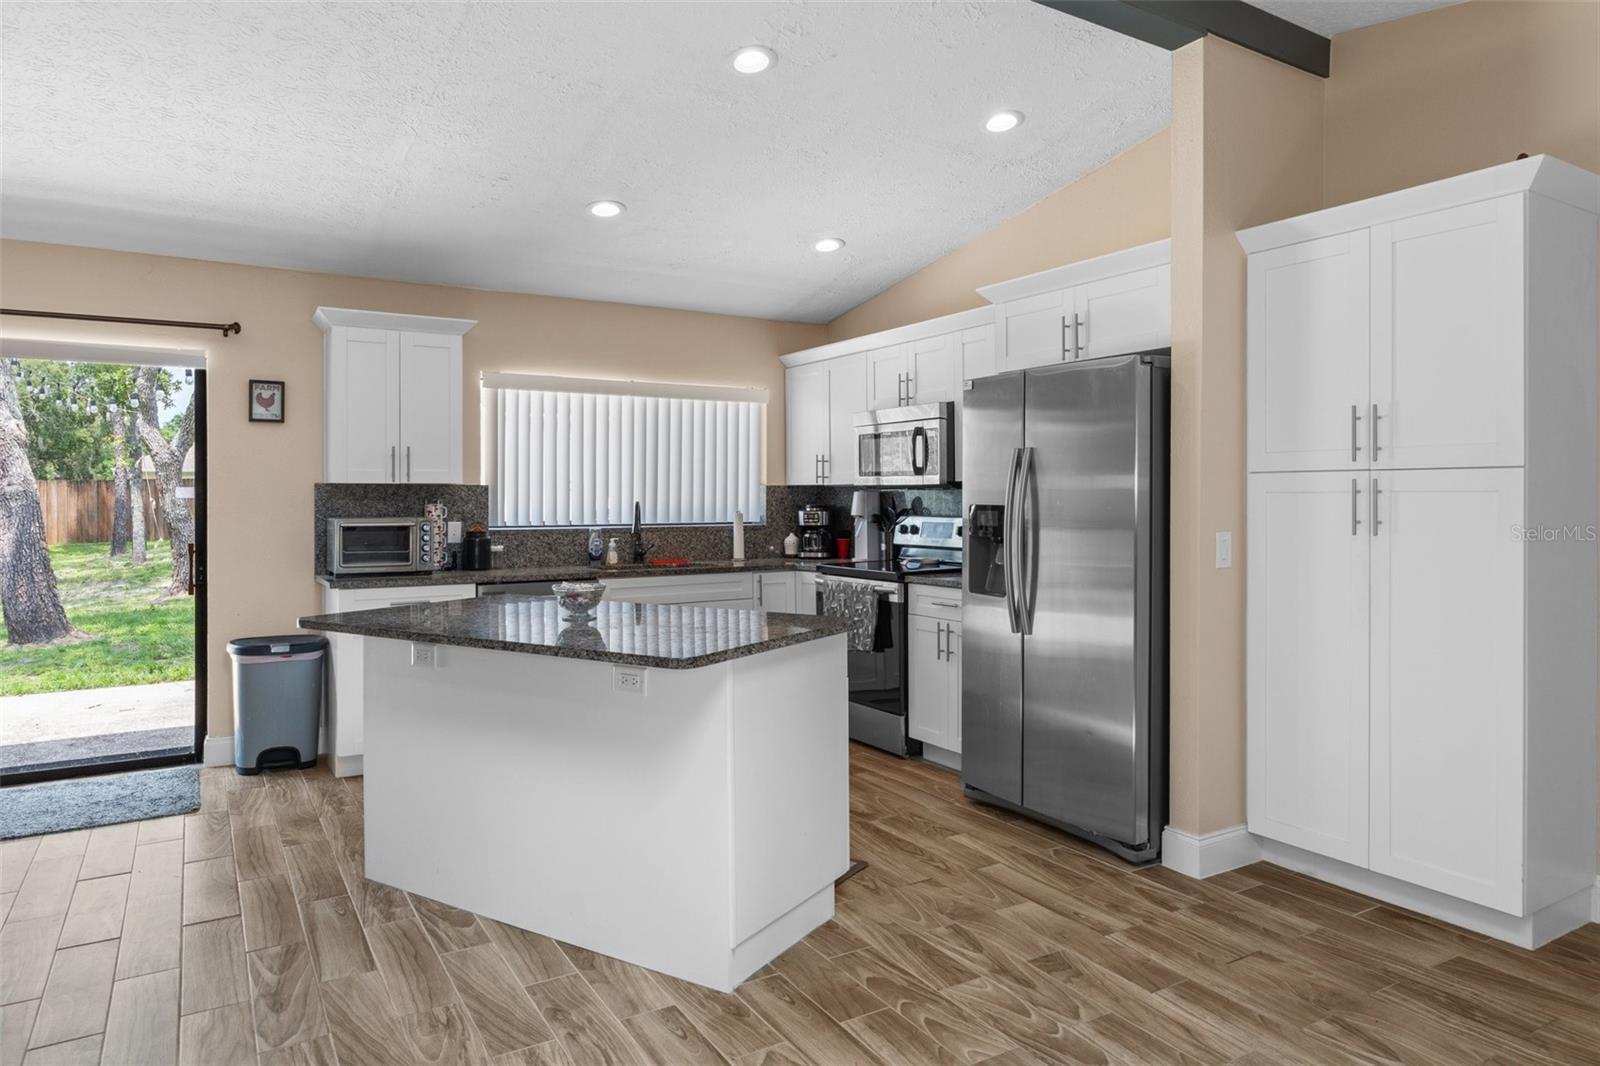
93, 712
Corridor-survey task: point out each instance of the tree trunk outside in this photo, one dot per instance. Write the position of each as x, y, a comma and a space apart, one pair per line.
32, 607
121, 513
136, 532
167, 457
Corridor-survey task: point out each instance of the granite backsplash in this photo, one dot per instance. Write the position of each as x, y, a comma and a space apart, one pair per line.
557, 547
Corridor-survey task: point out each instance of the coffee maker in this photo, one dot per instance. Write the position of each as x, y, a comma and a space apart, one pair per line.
814, 524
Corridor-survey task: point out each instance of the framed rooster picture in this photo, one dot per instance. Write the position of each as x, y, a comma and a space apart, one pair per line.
266, 401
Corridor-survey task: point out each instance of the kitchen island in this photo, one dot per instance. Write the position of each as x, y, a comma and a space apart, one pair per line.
666, 785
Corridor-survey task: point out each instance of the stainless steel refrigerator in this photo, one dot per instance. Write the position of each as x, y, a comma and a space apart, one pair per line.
1064, 609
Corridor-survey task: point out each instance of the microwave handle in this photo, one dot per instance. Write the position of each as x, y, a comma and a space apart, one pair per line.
919, 436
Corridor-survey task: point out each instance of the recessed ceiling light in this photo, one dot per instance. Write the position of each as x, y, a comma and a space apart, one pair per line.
828, 244
1003, 121
753, 59
606, 209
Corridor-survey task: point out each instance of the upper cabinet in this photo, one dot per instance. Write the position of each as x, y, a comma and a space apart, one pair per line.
392, 396
1111, 305
822, 399
1398, 332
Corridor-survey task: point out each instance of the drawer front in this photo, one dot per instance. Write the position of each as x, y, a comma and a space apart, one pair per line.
932, 601
716, 589
372, 599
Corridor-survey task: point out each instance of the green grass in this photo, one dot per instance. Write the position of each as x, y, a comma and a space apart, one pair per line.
135, 636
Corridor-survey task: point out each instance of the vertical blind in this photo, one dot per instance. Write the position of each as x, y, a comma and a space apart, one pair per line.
570, 452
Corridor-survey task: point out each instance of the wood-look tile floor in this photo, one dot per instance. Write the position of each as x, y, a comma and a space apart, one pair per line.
246, 933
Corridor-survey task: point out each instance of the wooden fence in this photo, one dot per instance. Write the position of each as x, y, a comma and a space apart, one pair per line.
80, 512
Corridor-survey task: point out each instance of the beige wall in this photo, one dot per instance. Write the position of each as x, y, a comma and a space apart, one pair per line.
1459, 89
261, 475
1246, 149
1119, 205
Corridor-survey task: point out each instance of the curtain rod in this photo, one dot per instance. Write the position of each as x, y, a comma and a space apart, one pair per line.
227, 328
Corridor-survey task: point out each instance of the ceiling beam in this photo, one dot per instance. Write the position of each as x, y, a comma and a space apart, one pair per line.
1171, 24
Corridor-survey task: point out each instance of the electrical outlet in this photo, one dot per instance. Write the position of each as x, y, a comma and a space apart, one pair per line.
628, 679
1224, 550
424, 656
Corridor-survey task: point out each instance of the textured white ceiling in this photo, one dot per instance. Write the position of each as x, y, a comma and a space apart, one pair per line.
458, 143
1333, 17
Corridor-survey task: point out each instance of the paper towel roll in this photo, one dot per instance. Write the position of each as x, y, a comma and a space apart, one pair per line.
738, 534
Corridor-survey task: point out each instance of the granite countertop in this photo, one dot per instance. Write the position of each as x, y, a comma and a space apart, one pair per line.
671, 636
579, 572
945, 580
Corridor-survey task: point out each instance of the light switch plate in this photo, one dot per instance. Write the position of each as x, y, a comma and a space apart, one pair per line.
1224, 550
628, 679
424, 656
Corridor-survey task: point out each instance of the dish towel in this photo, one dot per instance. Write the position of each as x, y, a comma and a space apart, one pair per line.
856, 604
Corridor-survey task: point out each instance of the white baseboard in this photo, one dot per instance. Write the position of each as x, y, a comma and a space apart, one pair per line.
950, 760
1558, 919
218, 751
1208, 854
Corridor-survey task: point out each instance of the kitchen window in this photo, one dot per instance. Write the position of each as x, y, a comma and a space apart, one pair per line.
579, 452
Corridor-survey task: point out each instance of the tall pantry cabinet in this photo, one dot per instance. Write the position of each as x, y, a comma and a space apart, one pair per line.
1422, 565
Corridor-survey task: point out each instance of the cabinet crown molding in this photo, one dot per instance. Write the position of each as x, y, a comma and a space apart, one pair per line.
915, 331
328, 317
1126, 261
1543, 174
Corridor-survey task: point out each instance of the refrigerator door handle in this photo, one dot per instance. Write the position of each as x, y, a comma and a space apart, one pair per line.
1027, 551
1011, 559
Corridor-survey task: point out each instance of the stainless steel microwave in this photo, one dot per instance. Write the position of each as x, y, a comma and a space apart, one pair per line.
906, 445
375, 545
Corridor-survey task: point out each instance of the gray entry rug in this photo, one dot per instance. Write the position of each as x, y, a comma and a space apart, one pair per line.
81, 802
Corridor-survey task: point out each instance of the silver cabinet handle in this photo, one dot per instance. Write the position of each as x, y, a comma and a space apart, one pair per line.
761, 592
900, 390
1077, 336
408, 462
1376, 521
1374, 430
945, 603
1355, 518
911, 389
938, 640
1066, 345
1355, 437
391, 463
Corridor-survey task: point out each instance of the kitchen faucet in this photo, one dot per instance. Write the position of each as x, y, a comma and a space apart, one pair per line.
640, 549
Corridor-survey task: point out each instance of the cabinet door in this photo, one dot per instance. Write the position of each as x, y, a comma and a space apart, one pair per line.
928, 699
935, 369
805, 593
363, 405
1127, 313
430, 408
952, 653
806, 421
1306, 331
977, 352
1306, 661
1447, 683
886, 377
1033, 331
1447, 337
847, 397
776, 592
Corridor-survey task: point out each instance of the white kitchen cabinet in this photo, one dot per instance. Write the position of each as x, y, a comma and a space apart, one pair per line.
821, 402
1422, 628
1447, 682
977, 352
1110, 305
887, 368
1447, 337
344, 741
805, 592
933, 666
1306, 671
777, 591
392, 400
1307, 335
933, 370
